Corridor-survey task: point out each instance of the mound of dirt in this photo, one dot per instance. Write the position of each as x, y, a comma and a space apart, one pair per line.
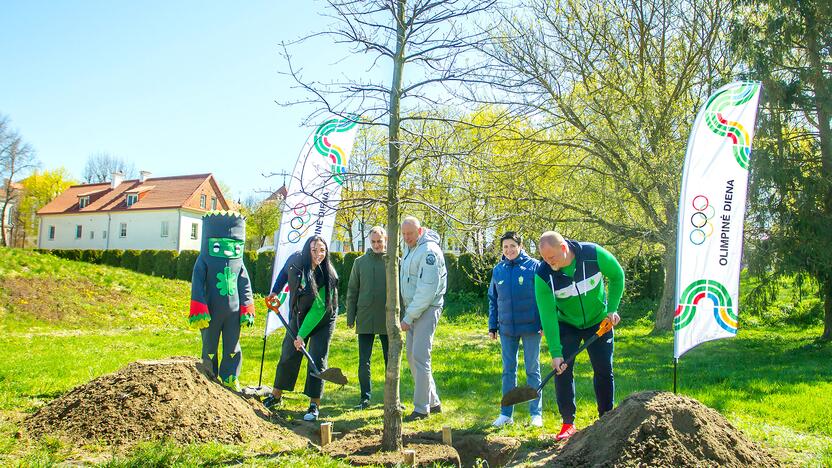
662, 429
151, 400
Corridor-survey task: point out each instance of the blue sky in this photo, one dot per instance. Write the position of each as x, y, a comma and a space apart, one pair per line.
174, 87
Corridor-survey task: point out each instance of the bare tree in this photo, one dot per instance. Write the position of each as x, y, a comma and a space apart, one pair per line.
101, 166
360, 185
613, 90
430, 47
16, 158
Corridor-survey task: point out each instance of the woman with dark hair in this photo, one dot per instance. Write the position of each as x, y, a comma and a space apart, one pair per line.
313, 292
513, 317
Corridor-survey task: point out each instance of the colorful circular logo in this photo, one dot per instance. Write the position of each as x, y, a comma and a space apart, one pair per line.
701, 220
299, 224
696, 292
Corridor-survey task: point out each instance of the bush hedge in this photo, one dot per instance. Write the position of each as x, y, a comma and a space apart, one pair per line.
468, 274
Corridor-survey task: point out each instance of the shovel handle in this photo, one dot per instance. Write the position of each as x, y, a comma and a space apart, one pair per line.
276, 309
604, 327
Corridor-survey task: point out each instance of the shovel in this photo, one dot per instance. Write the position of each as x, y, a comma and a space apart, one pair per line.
522, 394
333, 374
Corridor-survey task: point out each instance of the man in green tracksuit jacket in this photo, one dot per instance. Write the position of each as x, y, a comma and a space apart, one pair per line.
572, 301
366, 304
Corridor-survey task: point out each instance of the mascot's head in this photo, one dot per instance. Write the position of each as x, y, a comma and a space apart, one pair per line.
223, 234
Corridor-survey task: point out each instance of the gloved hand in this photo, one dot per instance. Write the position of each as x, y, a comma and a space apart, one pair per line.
200, 321
247, 320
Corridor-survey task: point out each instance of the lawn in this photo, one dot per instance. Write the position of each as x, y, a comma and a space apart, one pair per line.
65, 322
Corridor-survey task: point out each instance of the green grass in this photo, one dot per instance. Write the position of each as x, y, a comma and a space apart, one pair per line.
773, 383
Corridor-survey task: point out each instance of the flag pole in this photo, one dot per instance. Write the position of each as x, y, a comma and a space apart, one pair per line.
675, 362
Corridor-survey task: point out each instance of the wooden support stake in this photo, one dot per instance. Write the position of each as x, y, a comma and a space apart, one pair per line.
326, 433
447, 437
409, 457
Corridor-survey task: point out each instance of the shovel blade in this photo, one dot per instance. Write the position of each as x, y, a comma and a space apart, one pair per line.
519, 395
334, 375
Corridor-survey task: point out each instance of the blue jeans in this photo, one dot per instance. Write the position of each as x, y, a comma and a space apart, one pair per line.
531, 356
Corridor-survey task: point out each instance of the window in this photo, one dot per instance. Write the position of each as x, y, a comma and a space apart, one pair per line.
92, 235
103, 234
165, 228
213, 203
51, 232
78, 231
132, 198
83, 202
10, 216
123, 230
202, 200
195, 230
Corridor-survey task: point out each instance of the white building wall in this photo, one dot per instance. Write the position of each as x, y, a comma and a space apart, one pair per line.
144, 230
187, 220
65, 230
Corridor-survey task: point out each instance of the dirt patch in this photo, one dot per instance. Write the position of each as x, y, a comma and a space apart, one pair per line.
494, 449
46, 298
662, 429
152, 400
364, 448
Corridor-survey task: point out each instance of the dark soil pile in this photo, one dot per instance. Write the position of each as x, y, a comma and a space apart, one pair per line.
662, 429
151, 400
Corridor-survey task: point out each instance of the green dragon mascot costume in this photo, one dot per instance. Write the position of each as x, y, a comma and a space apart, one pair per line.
221, 299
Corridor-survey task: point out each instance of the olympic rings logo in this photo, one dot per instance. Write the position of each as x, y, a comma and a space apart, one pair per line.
301, 219
701, 220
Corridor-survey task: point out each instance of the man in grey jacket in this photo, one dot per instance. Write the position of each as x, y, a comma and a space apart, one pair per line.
423, 280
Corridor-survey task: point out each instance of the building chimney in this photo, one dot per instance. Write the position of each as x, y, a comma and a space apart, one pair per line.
118, 178
143, 176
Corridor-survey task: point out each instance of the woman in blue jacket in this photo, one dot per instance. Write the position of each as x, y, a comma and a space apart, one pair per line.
512, 314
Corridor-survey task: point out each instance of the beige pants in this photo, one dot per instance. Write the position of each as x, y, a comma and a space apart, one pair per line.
419, 347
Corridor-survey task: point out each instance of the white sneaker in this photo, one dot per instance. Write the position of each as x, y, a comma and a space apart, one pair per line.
502, 420
537, 421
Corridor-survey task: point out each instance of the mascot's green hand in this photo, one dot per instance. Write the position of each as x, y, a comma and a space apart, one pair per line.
200, 322
247, 320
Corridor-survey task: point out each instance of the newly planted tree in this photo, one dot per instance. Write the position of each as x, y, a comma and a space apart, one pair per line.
417, 52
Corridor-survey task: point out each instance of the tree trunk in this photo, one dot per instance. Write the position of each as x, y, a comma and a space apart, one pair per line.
666, 310
391, 439
3, 239
826, 284
823, 103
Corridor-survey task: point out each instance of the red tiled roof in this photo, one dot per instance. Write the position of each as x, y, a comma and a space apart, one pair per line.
279, 195
164, 192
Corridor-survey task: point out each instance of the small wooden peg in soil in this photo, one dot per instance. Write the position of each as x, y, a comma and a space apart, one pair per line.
447, 437
326, 433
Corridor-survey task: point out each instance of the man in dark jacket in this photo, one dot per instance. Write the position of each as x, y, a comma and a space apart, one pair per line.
366, 302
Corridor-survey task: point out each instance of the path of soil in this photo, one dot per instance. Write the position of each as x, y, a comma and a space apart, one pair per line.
363, 447
176, 399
